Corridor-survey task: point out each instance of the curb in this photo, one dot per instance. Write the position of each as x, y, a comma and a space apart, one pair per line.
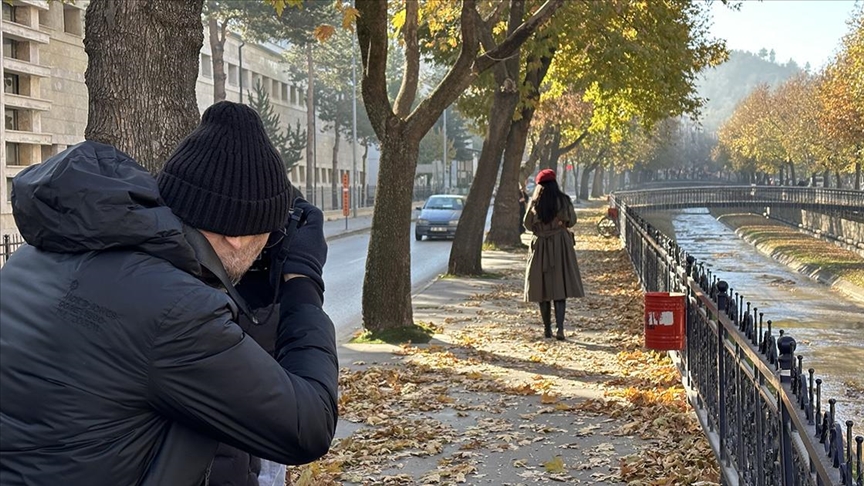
819, 274
348, 233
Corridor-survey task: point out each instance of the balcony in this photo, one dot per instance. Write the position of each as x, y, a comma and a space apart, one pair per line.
26, 103
22, 67
32, 138
40, 4
24, 33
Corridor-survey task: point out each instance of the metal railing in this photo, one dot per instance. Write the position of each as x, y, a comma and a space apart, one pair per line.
763, 413
814, 198
10, 244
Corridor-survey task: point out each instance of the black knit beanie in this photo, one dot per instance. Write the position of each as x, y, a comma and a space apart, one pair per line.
226, 177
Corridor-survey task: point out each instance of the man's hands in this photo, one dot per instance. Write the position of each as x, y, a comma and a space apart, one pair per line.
308, 252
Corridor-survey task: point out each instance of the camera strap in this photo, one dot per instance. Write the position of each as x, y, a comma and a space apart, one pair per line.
281, 255
208, 259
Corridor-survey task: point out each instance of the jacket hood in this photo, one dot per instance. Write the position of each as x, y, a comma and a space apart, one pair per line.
93, 197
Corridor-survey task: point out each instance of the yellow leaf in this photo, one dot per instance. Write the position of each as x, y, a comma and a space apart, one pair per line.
548, 398
399, 19
324, 32
349, 16
555, 466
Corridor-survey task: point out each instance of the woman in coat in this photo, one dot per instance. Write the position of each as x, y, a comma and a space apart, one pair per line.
552, 274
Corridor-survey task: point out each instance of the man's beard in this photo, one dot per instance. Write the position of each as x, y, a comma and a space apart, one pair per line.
238, 262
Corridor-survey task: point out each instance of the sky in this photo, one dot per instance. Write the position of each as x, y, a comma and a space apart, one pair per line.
804, 30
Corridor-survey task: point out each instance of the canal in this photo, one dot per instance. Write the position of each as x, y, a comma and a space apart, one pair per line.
828, 327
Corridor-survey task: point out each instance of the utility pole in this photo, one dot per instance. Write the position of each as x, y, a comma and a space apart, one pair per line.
240, 55
354, 126
444, 156
311, 177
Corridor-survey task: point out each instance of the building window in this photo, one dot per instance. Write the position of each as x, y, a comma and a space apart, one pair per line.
277, 93
284, 91
12, 154
301, 96
9, 189
10, 83
45, 19
302, 171
72, 20
10, 48
293, 94
49, 151
233, 75
206, 66
11, 119
8, 13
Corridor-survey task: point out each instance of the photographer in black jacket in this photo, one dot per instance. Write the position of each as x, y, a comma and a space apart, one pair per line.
121, 360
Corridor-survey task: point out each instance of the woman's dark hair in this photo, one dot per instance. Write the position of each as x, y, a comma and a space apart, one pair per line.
548, 200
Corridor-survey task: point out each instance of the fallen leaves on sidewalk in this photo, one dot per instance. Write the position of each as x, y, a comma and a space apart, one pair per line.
444, 413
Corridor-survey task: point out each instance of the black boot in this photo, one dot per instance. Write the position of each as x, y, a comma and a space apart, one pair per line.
546, 314
560, 306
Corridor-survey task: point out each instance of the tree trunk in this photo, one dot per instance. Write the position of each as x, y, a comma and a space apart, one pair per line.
141, 72
217, 49
334, 179
839, 179
504, 229
311, 176
858, 176
466, 251
826, 178
583, 184
597, 189
794, 180
386, 284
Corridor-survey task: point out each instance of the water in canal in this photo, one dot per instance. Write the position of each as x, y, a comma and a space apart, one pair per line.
828, 327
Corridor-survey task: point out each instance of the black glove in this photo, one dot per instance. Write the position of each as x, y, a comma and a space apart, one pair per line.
307, 253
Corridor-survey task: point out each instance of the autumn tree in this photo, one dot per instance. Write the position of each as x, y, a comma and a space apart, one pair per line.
133, 50
626, 68
840, 96
387, 282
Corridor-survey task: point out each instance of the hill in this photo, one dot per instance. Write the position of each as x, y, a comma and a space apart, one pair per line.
729, 83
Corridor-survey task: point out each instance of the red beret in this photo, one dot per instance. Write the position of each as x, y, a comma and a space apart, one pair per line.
545, 175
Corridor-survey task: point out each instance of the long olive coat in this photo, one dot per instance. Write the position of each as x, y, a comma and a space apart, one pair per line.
552, 272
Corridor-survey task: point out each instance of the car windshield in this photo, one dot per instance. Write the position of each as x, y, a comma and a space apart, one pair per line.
444, 203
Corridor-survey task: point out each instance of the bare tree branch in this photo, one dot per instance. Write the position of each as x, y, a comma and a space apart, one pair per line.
456, 80
372, 39
567, 148
411, 76
517, 37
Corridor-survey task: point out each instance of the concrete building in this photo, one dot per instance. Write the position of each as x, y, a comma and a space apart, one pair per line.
44, 98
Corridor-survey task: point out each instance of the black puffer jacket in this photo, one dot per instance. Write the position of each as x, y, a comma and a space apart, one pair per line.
118, 365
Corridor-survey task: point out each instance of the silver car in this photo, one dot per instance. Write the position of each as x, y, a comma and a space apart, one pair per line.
439, 217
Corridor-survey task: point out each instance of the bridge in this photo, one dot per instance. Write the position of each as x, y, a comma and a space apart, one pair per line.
847, 201
761, 408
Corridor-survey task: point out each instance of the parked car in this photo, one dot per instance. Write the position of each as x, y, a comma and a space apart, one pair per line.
439, 217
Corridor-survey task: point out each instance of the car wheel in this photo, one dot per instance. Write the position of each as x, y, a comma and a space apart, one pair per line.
418, 236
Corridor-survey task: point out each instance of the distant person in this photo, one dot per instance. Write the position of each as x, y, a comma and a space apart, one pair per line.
122, 358
552, 274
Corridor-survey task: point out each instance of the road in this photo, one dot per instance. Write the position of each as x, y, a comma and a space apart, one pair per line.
346, 264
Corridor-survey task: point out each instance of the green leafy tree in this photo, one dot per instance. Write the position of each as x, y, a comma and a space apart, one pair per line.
289, 143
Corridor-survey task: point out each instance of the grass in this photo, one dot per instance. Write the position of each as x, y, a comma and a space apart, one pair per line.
419, 333
804, 249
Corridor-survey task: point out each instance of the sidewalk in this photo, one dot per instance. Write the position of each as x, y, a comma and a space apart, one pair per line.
490, 401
